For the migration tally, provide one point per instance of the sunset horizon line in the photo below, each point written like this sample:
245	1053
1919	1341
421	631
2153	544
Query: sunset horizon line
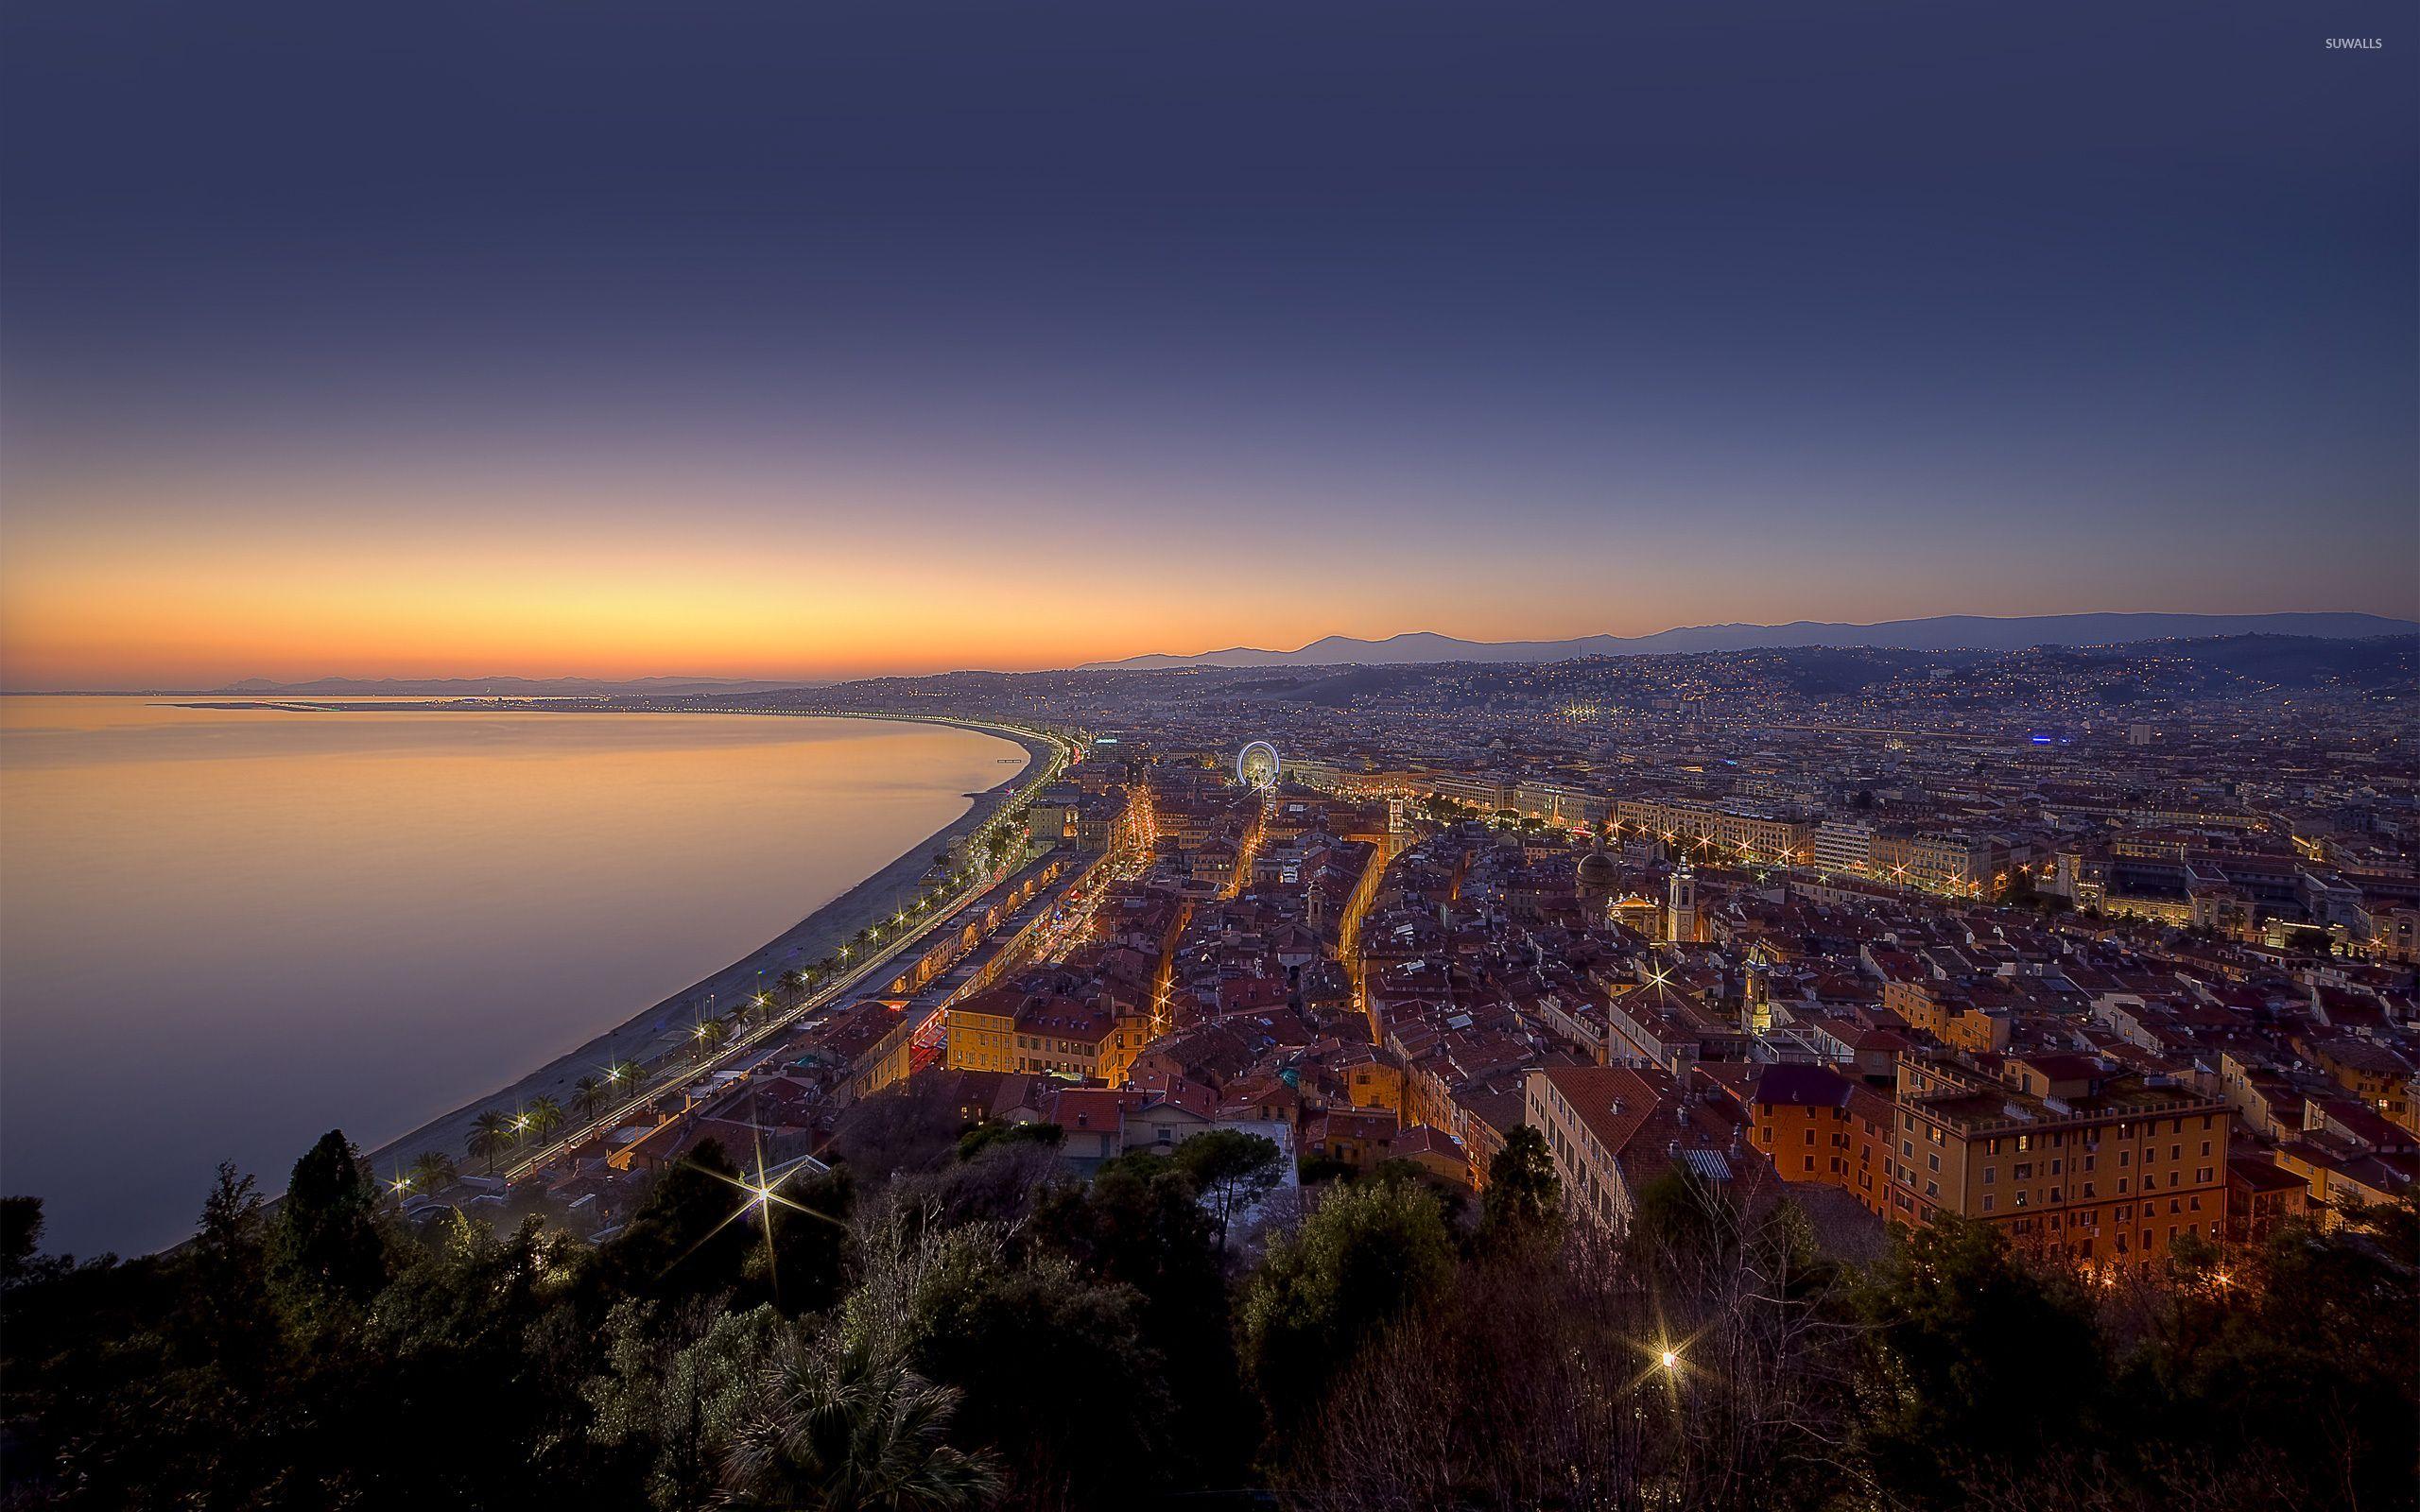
195	685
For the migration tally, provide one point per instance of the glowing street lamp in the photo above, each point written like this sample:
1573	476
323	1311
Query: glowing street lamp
1670	1358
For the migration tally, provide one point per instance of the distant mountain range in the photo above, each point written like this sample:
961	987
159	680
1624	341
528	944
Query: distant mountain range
1941	632
497	687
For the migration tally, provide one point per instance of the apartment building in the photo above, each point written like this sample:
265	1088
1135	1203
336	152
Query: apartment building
1731	832
2064	1153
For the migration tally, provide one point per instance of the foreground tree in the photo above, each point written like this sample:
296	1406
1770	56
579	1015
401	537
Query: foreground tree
1980	1363
1367	1255
1524	1199
686	1238
330	1250
1233	1171
830	1433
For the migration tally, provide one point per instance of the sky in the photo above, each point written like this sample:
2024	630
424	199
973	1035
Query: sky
787	338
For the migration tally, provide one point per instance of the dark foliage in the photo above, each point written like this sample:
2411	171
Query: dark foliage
988	1333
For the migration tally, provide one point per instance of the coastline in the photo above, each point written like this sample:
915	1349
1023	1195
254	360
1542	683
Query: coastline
813	937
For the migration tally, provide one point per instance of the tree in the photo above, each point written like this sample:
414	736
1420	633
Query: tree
1524	1197
432	1171
1367	1254
228	1261
1233	1170
832	1432
993	1131
545	1116
682	1240
330	1249
1053	1366
21	1224
491	1136
676	1383
587	1097
1980	1358
2292	1357
1140	1223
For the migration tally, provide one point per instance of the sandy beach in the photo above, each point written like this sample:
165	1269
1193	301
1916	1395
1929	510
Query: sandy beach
656	1027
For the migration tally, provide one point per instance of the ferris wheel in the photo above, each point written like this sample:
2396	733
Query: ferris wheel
1256	766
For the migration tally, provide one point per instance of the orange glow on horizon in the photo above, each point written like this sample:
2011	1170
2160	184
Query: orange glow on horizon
185	574
138	581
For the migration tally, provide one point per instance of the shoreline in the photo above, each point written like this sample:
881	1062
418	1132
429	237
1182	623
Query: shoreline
808	939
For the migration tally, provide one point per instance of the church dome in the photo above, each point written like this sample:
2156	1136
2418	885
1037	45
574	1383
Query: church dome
1596	870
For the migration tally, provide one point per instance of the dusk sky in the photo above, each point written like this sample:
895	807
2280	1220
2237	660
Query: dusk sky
822	338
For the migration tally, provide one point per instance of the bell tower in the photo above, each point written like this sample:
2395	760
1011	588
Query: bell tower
1681	911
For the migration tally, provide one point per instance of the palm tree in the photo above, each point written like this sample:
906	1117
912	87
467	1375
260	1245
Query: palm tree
491	1136
828	1430
587	1095
545	1115
622	1076
432	1171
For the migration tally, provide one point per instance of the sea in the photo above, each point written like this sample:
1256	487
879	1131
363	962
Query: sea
225	931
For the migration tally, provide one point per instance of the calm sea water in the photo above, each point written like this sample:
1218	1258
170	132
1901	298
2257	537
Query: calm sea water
223	933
